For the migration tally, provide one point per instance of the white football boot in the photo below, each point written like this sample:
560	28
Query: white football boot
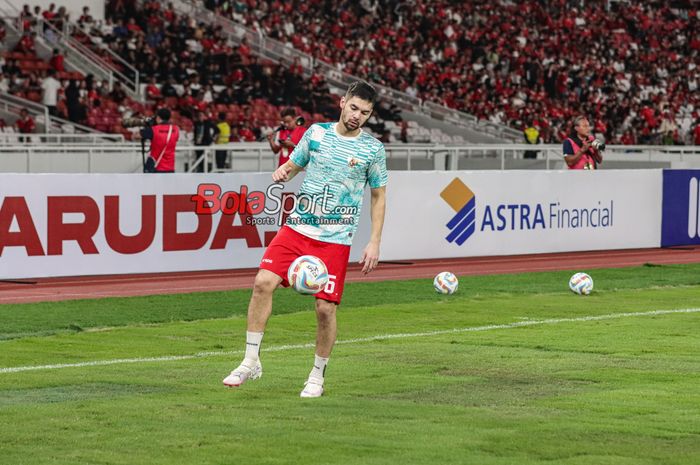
313	387
243	373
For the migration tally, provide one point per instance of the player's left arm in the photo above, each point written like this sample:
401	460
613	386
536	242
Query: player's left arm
286	172
370	256
377	178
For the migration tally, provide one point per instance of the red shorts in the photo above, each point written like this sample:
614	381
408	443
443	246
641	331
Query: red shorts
288	245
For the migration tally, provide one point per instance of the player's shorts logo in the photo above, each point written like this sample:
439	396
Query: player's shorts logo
463	201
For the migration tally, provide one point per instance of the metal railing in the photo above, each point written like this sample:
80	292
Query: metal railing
457	117
257	157
130	78
60	138
81	58
14	104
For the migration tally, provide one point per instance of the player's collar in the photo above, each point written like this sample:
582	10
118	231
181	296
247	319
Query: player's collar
335	130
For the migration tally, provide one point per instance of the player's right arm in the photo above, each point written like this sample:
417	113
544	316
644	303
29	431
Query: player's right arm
286	172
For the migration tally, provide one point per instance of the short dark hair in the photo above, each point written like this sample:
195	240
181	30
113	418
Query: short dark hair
164	114
289	111
363	90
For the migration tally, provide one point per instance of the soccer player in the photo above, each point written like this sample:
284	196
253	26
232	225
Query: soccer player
340	160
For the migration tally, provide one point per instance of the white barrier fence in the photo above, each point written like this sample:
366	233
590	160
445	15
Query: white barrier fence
256	157
80	224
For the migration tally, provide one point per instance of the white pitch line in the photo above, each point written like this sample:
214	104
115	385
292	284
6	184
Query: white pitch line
380	337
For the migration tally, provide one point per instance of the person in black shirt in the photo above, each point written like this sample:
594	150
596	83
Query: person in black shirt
204	131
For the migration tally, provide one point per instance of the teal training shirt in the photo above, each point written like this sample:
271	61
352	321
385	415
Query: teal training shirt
337	170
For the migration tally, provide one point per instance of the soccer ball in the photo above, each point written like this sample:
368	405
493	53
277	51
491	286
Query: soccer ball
581	284
307	274
445	283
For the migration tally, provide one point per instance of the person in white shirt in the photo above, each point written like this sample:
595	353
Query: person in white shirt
50	86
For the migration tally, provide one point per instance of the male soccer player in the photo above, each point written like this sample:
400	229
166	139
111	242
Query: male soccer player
340	159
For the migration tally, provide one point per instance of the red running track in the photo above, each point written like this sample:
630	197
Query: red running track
94	287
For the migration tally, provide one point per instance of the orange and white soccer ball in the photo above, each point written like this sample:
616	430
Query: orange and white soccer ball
307	275
446	283
581	284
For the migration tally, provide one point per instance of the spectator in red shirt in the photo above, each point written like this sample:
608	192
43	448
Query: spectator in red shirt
245	133
85	18
25	124
56	61
132	27
49	14
26	17
287	136
152	90
27	43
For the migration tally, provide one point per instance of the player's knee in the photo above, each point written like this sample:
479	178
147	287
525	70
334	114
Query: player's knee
325	310
264	284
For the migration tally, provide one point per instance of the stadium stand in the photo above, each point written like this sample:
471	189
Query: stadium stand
208	74
503	62
632	65
250	103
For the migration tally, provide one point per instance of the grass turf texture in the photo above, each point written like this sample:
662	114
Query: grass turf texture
614	391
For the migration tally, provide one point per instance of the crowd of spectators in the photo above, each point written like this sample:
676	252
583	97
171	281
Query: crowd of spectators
188	66
631	66
197	64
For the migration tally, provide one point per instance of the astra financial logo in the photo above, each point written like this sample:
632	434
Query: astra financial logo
463	201
569	213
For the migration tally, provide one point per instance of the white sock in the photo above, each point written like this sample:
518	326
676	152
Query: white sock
253	341
319	369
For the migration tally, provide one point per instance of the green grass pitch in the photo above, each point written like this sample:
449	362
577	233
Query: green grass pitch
533	374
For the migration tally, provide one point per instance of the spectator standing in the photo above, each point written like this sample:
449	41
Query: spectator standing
50	87
205	131
532	137
223	137
287	136
579	152
72	93
163	136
